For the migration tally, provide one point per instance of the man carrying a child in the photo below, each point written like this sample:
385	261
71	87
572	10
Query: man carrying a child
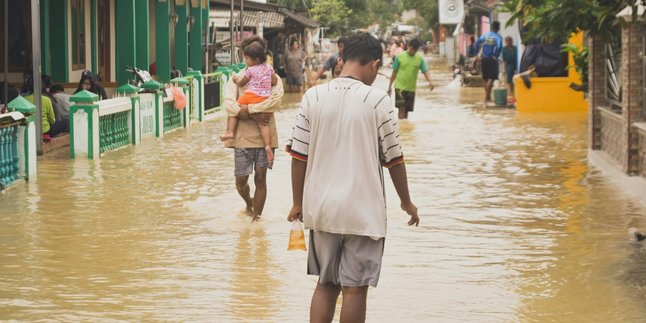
249	148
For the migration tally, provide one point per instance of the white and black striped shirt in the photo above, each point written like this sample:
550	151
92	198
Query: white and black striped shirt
345	131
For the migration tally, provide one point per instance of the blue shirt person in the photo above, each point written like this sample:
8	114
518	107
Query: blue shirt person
490	45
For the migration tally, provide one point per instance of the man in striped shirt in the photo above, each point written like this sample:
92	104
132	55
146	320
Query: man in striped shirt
345	132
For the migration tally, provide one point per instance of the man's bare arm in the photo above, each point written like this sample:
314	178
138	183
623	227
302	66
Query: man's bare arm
298	183
393	76
427	75
400	181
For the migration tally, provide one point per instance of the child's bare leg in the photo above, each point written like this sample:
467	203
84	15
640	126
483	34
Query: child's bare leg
266	138
232	125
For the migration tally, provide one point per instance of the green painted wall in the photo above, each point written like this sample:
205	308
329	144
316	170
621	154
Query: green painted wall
126	49
59	40
142	29
181	39
44	38
195	49
162	40
94	36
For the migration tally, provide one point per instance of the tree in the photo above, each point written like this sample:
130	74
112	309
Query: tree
364	12
555	20
427	15
331	13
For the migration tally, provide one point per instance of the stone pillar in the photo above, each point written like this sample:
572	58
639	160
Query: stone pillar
632	100
198	95
61	49
195	22
84	125
126	46
26	138
597	88
94	37
142	34
129	90
181	37
162	39
45	58
156	87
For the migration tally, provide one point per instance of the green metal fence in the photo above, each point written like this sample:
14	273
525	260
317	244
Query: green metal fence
172	117
8	154
113	131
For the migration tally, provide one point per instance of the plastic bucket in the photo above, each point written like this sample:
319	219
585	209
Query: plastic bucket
500	96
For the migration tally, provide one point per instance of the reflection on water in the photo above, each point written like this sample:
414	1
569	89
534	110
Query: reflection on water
515	227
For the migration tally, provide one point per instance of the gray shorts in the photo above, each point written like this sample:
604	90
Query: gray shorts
247	159
295	80
345	259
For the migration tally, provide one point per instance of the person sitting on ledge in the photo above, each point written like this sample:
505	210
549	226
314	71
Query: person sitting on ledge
51	127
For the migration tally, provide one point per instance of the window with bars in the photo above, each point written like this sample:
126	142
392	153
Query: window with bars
613	71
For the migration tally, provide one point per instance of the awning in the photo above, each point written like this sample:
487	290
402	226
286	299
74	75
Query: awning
220	18
481	7
627	13
305	21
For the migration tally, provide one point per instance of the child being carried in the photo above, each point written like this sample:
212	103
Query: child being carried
259	77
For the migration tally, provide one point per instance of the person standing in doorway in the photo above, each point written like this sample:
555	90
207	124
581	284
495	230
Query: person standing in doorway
344	135
405	69
490	45
509	57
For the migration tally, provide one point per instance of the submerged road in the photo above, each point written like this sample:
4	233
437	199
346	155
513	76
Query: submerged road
515	226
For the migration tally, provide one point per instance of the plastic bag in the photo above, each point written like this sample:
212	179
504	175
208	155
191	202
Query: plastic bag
179	99
296	236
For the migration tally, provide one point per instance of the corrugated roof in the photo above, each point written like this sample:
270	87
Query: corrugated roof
271	20
305	21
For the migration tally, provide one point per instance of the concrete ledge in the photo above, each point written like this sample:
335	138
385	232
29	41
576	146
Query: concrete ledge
60	141
641	127
607	112
633	185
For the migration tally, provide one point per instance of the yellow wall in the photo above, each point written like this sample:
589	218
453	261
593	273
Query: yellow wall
552	94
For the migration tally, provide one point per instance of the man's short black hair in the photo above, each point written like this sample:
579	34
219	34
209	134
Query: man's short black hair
362	48
256	51
341	41
495	26
56	88
415	43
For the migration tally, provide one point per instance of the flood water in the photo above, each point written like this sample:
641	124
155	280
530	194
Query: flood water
515	226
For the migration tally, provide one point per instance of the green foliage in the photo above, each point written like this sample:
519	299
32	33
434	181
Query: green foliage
363	12
427	15
293	4
331	13
580	57
555	20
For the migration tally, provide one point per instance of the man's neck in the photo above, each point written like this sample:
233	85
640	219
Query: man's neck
352	70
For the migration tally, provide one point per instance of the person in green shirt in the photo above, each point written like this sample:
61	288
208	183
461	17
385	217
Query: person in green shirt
51	127
509	56
406	66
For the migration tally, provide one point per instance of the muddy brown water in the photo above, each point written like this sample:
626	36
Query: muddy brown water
515	226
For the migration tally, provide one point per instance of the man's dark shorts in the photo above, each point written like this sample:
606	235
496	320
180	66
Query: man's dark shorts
295	80
247	159
405	99
490	68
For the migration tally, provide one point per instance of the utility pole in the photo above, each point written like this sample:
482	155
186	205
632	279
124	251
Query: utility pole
36	78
